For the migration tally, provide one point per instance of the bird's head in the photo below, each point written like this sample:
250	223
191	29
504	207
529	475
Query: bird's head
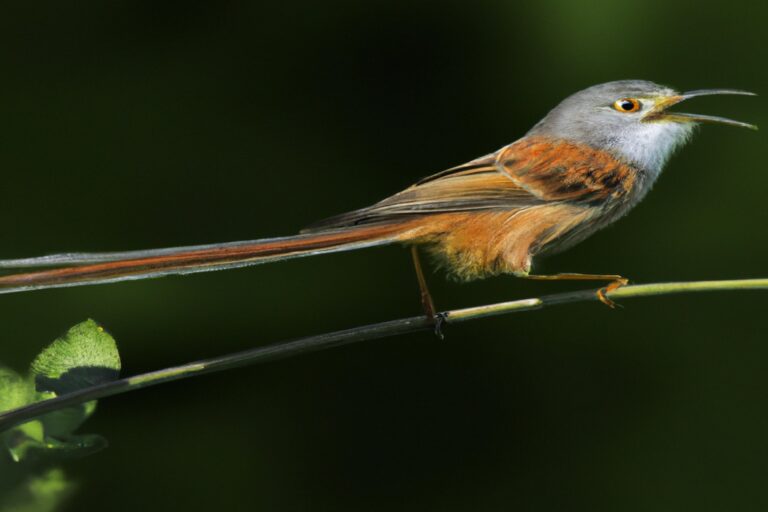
631	119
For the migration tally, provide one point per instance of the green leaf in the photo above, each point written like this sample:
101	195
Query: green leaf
85	346
84	356
15	391
32	451
24	438
38	493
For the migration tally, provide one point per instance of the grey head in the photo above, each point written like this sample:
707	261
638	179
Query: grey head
630	119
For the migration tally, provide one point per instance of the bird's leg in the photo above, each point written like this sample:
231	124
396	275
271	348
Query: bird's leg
427	303
614	282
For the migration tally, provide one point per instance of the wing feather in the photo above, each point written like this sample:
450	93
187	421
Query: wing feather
529	172
567	171
476	185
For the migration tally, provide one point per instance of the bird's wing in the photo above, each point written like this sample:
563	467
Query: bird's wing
566	171
476	185
526	173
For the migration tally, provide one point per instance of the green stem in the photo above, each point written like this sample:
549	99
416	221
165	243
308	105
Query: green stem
368	332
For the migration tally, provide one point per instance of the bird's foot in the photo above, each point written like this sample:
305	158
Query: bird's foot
615	285
615	281
439	320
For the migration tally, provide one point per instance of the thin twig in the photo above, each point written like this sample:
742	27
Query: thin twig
367	332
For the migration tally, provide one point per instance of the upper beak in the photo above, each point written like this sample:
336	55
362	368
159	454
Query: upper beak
660	109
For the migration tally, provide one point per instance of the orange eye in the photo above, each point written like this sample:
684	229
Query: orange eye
627	105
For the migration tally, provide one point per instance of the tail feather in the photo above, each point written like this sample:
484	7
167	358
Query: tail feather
95	268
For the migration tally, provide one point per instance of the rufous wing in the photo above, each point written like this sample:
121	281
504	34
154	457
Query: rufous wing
554	170
529	172
476	186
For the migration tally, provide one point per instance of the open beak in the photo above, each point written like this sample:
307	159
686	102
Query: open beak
660	112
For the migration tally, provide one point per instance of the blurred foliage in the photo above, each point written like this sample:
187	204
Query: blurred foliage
141	124
29	477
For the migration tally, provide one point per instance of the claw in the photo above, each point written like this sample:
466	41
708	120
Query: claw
439	319
615	285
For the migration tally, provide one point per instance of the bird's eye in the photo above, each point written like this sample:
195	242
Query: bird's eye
627	105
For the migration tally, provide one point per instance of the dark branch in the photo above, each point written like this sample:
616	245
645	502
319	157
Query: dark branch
336	339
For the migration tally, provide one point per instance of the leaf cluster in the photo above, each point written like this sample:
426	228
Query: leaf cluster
30	453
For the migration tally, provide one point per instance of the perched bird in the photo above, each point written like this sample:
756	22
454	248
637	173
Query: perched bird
584	165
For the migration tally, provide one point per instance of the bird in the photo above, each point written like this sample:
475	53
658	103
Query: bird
583	166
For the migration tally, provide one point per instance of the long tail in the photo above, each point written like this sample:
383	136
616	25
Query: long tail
87	268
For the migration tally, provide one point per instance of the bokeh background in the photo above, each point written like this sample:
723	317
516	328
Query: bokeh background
141	124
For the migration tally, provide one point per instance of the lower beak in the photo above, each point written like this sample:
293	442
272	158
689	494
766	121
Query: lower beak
660	110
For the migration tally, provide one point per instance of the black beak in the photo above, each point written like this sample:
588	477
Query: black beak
662	106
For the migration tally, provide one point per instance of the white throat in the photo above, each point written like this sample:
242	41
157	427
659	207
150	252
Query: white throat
650	145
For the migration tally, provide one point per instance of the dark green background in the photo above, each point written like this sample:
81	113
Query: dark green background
130	125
